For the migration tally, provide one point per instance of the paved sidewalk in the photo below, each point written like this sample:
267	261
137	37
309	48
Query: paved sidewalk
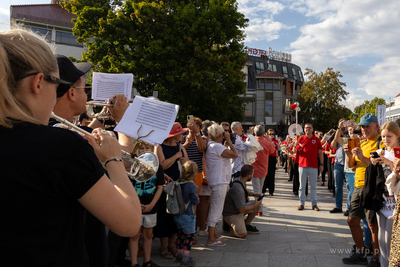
288	237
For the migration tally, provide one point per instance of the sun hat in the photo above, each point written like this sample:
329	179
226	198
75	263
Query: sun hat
177	130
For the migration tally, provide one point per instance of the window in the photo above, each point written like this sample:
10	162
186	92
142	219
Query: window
294	74
259	67
287	105
276	85
272	67
248	111
42	32
269	96
284	70
67	39
301	76
268	85
261	84
288	120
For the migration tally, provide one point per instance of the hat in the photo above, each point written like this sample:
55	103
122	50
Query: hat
177	130
367	119
70	72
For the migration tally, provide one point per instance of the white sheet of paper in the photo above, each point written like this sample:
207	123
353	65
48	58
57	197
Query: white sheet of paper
107	85
151	114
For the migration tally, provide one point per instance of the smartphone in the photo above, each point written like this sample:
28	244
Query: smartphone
374	155
261	197
353	143
233	138
397	152
189	118
347	123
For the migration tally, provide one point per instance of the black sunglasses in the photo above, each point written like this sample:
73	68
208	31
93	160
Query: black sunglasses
62	85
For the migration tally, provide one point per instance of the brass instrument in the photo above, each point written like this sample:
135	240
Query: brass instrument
102	115
142	169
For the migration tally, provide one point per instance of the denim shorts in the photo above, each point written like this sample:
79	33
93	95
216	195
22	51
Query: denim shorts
186	223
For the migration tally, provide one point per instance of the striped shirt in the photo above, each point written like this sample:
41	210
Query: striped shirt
195	156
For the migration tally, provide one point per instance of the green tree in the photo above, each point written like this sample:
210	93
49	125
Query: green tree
190	51
367	107
320	99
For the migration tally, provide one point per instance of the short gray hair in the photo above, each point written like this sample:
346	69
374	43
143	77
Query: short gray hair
259	130
234	125
215	131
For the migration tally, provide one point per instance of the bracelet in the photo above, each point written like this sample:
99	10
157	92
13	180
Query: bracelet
111	159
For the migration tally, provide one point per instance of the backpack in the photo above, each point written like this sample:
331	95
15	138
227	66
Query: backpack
175	202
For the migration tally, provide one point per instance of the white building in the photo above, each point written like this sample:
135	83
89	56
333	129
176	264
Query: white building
51	21
393	113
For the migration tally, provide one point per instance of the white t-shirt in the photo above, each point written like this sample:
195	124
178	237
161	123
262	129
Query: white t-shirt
218	167
390	204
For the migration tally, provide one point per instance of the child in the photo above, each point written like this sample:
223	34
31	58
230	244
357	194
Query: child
390	133
186	221
149	192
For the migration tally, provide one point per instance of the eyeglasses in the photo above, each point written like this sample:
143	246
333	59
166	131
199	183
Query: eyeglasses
88	89
61	83
226	130
271	134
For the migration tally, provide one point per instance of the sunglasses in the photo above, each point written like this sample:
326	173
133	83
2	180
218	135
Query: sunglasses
271	134
61	83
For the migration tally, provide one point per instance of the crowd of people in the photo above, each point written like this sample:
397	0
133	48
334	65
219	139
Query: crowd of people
71	186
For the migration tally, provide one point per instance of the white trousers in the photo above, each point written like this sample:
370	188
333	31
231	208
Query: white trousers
218	193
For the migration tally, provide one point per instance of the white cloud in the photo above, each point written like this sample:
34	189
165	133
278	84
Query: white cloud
262	25
4	19
353	100
382	80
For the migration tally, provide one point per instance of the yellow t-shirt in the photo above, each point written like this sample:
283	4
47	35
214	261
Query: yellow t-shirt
366	147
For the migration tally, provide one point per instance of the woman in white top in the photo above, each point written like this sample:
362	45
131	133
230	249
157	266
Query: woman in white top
390	132
218	167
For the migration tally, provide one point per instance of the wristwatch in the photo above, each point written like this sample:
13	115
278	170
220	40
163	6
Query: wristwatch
197	134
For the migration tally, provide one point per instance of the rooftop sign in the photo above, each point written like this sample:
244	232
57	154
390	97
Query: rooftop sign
271	54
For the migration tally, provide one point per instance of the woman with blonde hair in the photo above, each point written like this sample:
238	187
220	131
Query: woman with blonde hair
51	175
218	167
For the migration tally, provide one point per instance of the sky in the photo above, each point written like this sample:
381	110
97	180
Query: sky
359	38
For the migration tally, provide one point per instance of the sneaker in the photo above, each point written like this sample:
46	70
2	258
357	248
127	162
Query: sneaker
374	263
355	259
323	184
259	213
189	263
346	213
202	232
252	229
335	210
368	251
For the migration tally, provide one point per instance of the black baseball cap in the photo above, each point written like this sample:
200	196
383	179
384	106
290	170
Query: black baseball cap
70	72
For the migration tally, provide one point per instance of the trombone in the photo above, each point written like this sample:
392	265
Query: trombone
102	115
142	169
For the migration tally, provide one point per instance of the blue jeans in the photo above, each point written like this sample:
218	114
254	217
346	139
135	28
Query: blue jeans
338	172
350	176
367	234
312	174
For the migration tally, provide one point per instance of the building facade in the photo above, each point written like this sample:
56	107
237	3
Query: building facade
50	21
273	83
393	112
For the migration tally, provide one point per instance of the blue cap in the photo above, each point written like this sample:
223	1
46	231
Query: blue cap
367	119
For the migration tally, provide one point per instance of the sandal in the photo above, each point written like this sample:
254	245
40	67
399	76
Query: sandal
165	253
173	251
150	264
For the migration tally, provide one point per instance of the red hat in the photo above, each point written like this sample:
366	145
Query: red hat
177	130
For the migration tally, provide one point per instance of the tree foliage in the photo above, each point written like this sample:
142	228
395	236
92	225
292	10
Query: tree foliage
367	107
320	99
190	51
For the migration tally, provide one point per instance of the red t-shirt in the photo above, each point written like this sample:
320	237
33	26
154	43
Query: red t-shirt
308	150
275	153
283	144
261	164
333	152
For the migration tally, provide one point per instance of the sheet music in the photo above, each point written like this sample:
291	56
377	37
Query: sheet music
107	85
151	114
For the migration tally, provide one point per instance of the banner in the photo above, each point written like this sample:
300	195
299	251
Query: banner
381	114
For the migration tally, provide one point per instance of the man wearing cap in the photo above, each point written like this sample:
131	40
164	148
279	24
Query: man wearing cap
359	158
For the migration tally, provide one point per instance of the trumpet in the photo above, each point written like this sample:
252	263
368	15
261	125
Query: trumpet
102	115
142	169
